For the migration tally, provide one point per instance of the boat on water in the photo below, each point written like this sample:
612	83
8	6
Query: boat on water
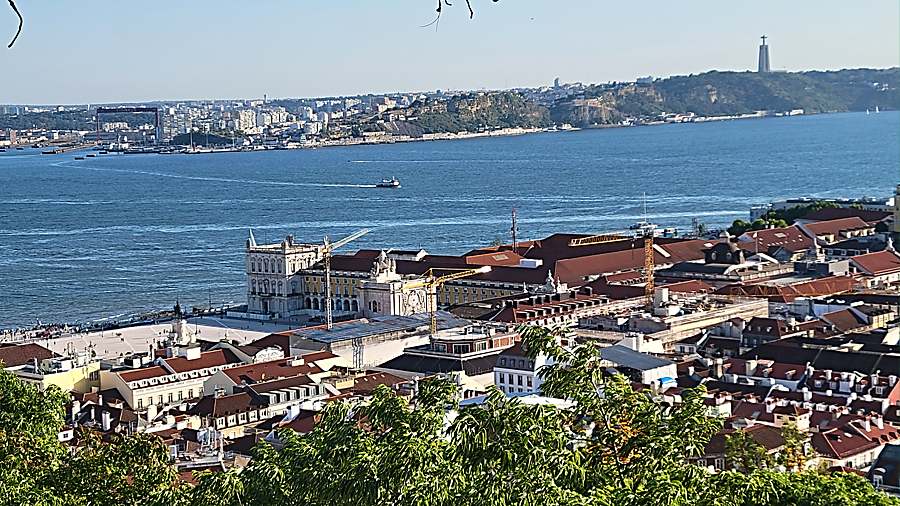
79	158
104	152
388	183
91	155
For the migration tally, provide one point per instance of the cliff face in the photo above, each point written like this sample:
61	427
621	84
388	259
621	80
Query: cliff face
474	112
726	93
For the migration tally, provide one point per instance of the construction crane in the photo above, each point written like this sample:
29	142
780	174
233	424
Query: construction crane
649	265
328	248
431	283
598	239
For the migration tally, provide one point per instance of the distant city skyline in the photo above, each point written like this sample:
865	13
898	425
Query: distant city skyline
122	52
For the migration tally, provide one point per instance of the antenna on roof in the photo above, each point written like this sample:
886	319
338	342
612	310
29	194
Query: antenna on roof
515	230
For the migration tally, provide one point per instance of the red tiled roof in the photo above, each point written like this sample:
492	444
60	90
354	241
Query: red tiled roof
207	359
791	238
835	227
847	212
265	371
878	263
145	373
365	385
225	405
844	320
507	258
837	444
787	293
17	355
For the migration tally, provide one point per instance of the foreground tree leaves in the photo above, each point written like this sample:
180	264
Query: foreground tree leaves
605	444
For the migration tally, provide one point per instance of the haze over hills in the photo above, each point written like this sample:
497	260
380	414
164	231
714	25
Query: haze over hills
713	93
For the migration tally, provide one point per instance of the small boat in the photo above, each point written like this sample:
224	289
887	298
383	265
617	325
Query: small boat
388	183
90	155
104	152
79	158
20	149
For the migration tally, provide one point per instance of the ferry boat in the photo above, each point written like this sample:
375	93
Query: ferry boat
388	183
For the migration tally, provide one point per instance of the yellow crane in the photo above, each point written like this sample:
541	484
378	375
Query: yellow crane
431	283
327	249
649	266
598	239
649	259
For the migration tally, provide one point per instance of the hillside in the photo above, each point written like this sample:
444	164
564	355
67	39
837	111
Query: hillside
480	111
726	93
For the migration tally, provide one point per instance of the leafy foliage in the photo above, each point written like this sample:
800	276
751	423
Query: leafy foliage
604	444
743	453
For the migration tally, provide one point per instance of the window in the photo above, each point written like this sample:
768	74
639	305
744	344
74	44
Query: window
519	380
500	377
170	397
140	403
502	361
190	393
459	349
528	380
180	395
159	400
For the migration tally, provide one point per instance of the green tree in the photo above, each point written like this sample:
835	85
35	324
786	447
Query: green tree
603	443
738	227
743	453
796	452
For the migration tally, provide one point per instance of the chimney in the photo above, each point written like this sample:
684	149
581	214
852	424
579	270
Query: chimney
867	424
100	399
76	408
750	366
690	370
770	406
105	420
807	395
719	368
879	421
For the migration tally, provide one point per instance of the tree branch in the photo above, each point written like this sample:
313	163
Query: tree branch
15	9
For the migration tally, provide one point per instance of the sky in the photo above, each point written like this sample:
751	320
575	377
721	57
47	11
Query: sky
91	51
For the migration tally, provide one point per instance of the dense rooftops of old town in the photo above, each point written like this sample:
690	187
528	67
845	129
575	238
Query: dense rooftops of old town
781	326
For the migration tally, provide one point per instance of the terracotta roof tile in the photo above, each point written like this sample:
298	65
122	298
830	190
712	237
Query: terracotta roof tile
17	355
878	263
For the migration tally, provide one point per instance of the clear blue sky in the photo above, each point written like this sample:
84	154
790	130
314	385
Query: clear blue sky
124	50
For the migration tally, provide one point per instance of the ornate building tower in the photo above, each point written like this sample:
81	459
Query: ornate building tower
272	288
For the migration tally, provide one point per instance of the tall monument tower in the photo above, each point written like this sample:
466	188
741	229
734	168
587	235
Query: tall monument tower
763	56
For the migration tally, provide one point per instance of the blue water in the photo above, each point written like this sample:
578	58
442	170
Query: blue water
103	236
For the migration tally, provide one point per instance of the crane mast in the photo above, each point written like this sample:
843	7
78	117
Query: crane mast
431	283
327	249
